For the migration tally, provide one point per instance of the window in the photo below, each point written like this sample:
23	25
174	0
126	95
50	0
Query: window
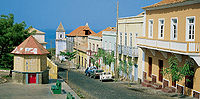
125	39
161	29
60	35
190	28
97	47
174	27
93	47
120	38
150	28
90	46
131	39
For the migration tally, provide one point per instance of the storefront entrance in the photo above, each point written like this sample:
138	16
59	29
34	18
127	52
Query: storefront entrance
31	78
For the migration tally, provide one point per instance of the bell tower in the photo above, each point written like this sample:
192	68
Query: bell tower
60	41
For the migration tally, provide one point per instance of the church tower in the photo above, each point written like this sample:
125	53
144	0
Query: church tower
60	41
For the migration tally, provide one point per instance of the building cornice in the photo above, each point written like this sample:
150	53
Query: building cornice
173	5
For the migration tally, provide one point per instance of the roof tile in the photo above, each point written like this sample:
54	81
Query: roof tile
30	46
165	2
80	31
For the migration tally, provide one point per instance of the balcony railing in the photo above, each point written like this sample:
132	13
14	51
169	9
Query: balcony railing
127	50
120	49
91	53
177	46
124	50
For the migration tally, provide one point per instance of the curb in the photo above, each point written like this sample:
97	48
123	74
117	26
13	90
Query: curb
68	88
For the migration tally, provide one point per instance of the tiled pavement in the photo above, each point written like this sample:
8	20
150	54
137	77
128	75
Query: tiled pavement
33	91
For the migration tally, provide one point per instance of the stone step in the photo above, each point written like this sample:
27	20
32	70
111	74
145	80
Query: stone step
156	86
146	84
169	90
147	81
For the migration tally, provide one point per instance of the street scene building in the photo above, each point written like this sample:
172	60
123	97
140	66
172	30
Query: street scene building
154	54
172	31
129	29
30	62
60	41
80	37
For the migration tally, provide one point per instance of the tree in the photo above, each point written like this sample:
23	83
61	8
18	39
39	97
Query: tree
69	56
11	35
130	69
52	52
177	73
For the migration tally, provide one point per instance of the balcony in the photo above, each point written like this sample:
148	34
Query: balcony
187	48
91	53
132	51
124	50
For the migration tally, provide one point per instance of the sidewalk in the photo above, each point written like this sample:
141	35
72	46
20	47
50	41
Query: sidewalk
138	87
66	87
33	91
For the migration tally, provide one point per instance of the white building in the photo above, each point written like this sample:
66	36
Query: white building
39	36
109	40
60	41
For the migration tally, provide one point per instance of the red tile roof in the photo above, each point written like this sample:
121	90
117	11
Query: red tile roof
80	31
165	2
30	46
107	29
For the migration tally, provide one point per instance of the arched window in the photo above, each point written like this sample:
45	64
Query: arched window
60	35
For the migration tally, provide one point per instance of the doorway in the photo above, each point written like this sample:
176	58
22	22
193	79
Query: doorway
160	70
31	78
135	72
150	66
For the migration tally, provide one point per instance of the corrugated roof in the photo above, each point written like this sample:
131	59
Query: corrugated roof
60	28
165	2
80	31
30	46
37	31
107	29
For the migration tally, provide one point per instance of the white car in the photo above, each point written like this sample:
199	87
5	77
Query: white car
106	76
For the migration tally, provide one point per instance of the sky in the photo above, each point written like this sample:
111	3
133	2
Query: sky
46	15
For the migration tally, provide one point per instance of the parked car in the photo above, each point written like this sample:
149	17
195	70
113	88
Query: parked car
89	70
106	76
96	73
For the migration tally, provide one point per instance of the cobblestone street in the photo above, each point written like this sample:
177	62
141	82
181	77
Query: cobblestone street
93	88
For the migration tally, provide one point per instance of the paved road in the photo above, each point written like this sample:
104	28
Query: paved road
105	90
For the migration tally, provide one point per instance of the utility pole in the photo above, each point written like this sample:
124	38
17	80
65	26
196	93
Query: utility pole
116	53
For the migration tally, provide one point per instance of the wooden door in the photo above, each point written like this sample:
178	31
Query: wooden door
160	70
31	78
150	66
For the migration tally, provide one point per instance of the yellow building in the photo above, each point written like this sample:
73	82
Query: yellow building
172	30
129	29
80	38
30	62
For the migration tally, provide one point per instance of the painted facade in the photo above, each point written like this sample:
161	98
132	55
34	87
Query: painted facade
129	29
109	45
30	62
60	42
172	31
79	42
